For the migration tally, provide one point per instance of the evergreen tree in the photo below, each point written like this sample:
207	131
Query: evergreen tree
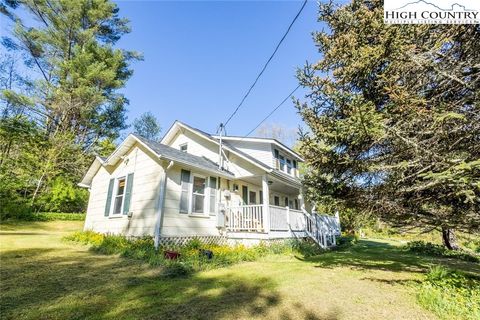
147	126
74	100
394	119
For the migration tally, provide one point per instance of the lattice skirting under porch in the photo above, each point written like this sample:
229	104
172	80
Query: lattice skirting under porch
180	241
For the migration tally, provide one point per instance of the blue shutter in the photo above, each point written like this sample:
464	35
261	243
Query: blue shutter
128	194
185	182
109	197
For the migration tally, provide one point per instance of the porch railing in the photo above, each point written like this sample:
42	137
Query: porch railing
249	218
245	218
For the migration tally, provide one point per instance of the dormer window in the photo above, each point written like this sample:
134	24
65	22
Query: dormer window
184	147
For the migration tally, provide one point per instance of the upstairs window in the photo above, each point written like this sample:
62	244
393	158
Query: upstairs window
184	147
282	163
289	166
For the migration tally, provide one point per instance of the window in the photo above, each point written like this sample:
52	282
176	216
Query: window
276	153
198	195
252	197
289	166
119	195
184	147
296	204
286	202
213	195
290	204
282	163
276	201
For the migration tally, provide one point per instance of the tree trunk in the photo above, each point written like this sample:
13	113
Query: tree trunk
449	239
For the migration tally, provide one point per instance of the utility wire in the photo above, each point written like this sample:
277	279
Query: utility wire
272	112
266	64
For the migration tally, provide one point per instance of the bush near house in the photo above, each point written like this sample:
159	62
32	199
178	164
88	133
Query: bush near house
191	258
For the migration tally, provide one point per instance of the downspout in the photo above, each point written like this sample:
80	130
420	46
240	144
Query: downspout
161	202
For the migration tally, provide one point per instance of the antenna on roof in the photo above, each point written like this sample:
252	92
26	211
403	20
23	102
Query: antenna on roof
220	130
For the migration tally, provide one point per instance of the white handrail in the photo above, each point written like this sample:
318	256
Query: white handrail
245	218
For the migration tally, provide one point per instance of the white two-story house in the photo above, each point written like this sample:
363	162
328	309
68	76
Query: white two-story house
193	184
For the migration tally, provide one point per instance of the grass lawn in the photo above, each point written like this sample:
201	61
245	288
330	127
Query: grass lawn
43	277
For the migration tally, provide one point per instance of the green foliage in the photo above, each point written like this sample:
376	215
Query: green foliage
391	115
64	196
426	248
190	260
52	125
44	216
450	294
147	126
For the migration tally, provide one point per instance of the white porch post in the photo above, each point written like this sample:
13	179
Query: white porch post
266	204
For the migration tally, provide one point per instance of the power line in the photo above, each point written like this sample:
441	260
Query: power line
266	64
272	112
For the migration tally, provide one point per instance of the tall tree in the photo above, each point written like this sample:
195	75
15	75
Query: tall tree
75	99
394	119
147	126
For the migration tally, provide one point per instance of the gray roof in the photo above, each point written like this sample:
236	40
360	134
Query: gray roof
182	157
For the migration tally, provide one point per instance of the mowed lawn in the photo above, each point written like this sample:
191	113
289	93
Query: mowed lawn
43	277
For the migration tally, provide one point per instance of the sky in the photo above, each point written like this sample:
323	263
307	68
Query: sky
201	57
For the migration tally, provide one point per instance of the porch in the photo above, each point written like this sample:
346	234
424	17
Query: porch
275	222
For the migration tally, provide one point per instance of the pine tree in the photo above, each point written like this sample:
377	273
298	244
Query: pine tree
393	115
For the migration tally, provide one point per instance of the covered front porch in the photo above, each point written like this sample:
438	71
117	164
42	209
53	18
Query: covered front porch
279	213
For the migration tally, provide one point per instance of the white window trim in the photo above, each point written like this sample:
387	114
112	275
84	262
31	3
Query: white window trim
190	193
114	196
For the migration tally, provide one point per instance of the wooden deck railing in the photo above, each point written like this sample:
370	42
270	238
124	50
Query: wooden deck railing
245	218
249	218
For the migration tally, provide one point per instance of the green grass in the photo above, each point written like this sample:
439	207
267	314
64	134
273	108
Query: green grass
43	277
47	216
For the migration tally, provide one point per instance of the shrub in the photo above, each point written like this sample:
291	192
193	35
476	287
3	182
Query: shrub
450	294
431	249
191	259
307	248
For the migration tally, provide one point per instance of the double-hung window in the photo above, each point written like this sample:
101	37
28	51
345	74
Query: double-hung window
119	196
289	166
198	195
282	163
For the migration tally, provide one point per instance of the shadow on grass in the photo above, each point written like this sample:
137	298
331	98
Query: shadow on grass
377	255
68	284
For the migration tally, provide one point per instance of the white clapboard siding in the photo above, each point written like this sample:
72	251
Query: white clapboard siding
259	150
147	173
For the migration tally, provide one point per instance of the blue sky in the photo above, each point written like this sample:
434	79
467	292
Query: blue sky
200	58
